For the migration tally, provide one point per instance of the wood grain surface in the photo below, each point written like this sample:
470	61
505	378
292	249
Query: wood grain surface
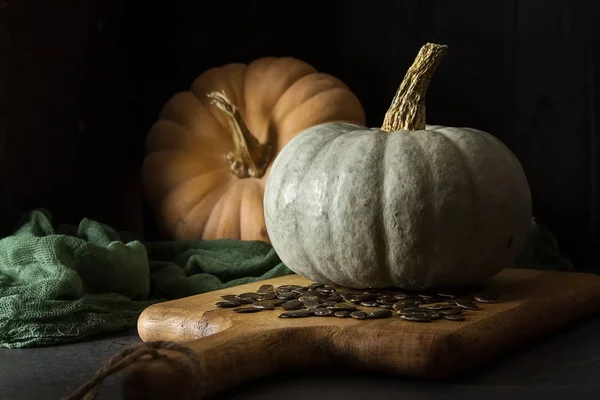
236	348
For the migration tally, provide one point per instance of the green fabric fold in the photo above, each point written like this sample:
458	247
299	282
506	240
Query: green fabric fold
65	283
62	284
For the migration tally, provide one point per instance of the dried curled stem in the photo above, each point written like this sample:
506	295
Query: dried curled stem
249	158
407	111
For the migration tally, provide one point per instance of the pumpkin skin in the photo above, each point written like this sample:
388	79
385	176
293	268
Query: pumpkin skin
370	208
187	175
358	207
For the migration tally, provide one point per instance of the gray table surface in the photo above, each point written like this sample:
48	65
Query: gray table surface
565	365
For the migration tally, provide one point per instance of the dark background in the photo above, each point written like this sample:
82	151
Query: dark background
82	81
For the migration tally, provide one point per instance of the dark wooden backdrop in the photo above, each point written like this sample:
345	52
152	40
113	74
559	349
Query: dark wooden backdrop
87	78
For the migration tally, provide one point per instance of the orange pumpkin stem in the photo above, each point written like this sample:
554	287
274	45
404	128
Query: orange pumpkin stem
249	158
407	111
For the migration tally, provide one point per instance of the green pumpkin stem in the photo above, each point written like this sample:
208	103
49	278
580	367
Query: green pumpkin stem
407	111
249	158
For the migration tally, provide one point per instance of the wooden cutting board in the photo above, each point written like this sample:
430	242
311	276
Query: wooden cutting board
236	348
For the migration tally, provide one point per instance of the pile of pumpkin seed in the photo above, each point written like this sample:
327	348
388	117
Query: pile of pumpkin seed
321	300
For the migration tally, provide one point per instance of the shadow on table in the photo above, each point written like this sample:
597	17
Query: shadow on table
565	364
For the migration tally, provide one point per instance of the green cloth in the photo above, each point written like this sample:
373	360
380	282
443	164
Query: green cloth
62	284
541	251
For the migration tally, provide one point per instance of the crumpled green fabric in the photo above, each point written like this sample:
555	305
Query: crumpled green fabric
541	251
62	284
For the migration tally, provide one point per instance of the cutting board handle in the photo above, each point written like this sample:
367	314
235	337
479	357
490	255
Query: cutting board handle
221	361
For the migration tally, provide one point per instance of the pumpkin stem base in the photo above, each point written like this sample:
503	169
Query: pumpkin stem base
407	111
249	158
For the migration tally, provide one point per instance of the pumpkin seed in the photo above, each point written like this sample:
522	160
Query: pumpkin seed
353	293
227	304
287	295
316	285
380	314
412	310
246	310
325	291
296	314
292	305
484	298
370	296
317	299
428	296
358	298
248	296
323	312
353	298
264	305
288	288
454	317
276	302
342	314
405	304
437	306
359	315
310	303
343	307
265	289
417	317
448	294
309	296
453	311
469	305
244	301
386	300
369	304
434	315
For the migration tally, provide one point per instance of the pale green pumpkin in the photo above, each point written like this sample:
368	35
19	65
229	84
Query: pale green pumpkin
405	205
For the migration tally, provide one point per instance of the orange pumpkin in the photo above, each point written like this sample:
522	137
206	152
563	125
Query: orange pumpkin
210	152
